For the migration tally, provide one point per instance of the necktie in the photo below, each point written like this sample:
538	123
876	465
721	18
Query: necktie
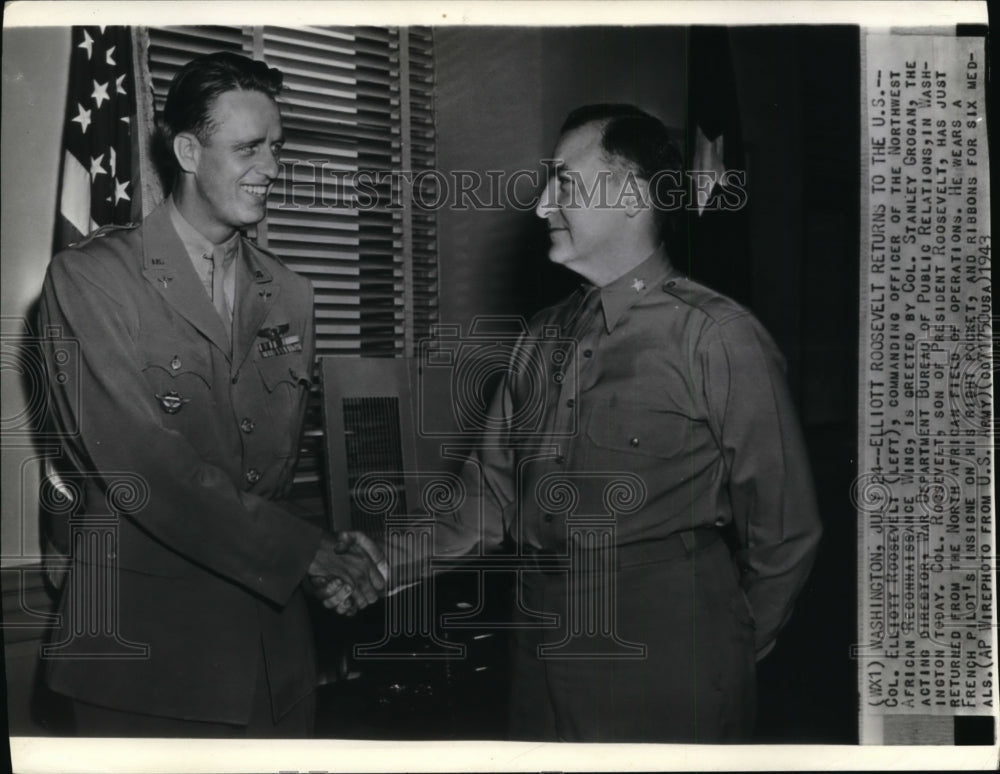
580	323
218	291
578	329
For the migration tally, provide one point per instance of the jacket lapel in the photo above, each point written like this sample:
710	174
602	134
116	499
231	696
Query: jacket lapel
167	267
256	292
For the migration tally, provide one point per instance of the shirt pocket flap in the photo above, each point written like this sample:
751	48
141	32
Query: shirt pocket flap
643	430
177	361
290	370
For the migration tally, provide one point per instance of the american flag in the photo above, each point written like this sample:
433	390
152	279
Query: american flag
97	186
718	236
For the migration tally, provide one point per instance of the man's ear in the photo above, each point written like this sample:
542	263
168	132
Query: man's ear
187	149
635	195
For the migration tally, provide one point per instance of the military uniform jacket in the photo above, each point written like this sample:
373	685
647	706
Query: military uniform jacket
208	561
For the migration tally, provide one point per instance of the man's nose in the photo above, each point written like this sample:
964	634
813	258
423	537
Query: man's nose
270	165
547	202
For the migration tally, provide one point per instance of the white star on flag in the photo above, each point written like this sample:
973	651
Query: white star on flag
708	155
83	118
100	94
87	45
96	168
98	175
120	191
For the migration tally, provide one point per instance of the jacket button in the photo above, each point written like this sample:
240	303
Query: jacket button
560	460
570	403
247	425
588	353
633	441
548	518
252	476
175	364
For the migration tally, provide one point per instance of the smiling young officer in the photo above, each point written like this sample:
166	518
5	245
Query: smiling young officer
196	351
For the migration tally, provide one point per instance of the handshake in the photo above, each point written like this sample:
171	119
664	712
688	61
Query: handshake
349	572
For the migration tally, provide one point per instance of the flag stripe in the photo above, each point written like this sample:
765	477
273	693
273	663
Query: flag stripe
74	203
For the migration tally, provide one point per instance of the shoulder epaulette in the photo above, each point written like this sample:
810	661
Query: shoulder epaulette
102	232
715	305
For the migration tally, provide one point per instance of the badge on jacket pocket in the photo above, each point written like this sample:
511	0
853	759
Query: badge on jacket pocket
276	342
172	402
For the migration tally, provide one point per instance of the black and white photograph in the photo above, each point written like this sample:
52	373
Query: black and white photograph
511	385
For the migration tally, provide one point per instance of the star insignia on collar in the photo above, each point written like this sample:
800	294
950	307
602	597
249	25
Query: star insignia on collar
638	285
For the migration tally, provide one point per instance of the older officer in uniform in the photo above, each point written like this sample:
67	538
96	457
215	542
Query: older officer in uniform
196	354
679	393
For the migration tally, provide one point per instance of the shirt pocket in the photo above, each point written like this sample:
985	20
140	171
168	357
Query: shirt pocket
178	375
284	373
286	381
637	431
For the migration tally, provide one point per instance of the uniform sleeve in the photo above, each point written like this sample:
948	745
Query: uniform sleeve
770	485
487	477
194	509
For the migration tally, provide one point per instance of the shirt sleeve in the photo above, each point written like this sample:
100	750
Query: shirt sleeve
771	494
480	523
194	508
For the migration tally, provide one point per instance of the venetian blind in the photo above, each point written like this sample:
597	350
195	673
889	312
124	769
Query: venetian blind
357	109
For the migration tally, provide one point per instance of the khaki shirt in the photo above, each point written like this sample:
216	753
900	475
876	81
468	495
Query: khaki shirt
672	413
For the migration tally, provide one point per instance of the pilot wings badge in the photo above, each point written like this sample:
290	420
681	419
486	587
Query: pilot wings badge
276	342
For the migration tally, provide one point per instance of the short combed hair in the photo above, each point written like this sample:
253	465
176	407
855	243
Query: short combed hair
642	142
193	93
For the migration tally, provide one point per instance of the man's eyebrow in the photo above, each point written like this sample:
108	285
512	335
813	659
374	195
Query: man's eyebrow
257	141
248	141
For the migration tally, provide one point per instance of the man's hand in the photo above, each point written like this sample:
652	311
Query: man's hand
359	544
349	572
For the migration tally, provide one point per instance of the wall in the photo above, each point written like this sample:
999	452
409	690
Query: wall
34	93
489	116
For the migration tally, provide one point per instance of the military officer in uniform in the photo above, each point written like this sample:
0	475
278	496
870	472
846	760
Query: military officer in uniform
195	361
677	394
